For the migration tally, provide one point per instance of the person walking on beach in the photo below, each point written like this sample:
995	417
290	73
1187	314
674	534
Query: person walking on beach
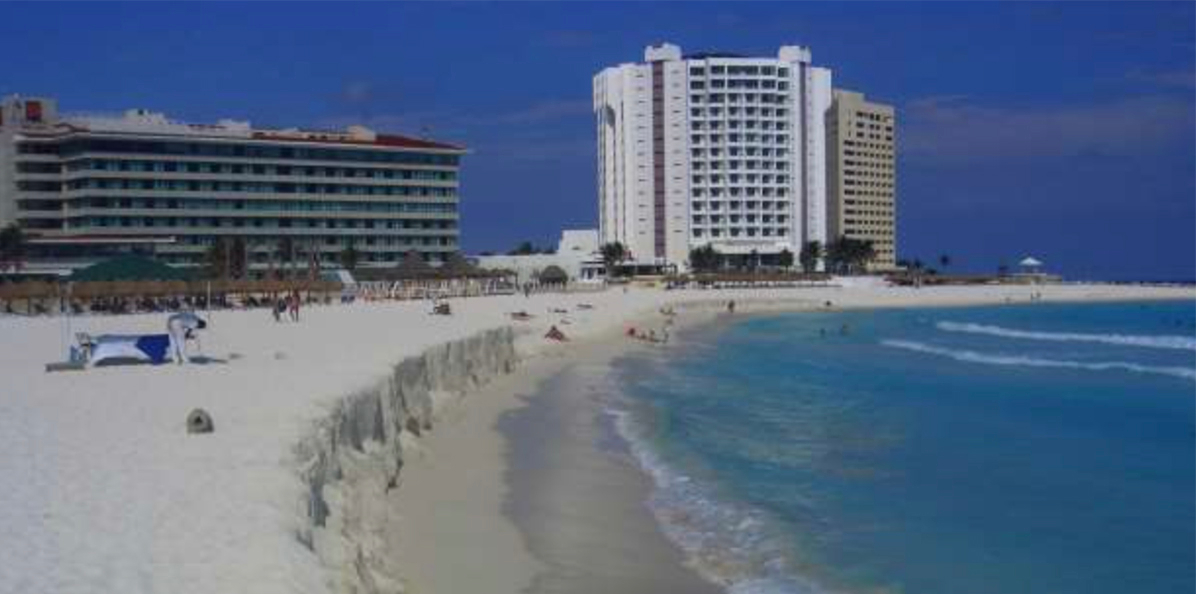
293	306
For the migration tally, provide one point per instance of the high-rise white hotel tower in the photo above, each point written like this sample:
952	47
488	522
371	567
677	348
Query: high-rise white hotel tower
712	149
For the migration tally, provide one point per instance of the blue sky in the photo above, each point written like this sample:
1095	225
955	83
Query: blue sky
1065	130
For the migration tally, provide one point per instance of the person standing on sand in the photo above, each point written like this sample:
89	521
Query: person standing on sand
294	306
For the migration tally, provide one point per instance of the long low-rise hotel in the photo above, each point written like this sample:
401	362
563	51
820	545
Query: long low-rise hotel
88	187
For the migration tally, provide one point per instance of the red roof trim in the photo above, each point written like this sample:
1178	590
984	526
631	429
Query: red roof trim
385	140
389	140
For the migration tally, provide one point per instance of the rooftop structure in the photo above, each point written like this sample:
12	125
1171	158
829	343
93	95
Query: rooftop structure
577	254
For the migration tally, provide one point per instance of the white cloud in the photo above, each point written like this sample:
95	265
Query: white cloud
357	93
951	129
508	128
1182	79
570	38
545	111
538	149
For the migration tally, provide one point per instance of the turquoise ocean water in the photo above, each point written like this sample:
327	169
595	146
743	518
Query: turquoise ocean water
1020	449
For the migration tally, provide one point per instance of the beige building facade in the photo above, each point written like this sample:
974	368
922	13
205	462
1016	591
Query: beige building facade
862	174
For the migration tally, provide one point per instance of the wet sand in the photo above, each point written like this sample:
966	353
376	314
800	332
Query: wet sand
578	497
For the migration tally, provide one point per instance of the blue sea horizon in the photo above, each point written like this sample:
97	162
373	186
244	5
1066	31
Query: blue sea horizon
1016	449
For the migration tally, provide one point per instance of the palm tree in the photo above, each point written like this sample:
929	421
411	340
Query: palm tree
523	249
785	259
865	253
613	254
835	255
286	249
349	257
848	255
239	258
811	252
703	258
216	259
311	253
915	269
12	246
944	261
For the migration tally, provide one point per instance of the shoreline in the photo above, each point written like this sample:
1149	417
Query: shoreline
696	548
550	563
539	521
551	546
576	491
273	385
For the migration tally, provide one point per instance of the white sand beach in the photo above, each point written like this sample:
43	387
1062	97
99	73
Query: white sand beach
105	491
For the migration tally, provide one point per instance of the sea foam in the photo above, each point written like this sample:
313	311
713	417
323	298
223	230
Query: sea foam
724	542
1020	360
1147	341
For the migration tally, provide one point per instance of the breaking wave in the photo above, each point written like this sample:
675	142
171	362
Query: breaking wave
1148	341
1019	360
729	544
